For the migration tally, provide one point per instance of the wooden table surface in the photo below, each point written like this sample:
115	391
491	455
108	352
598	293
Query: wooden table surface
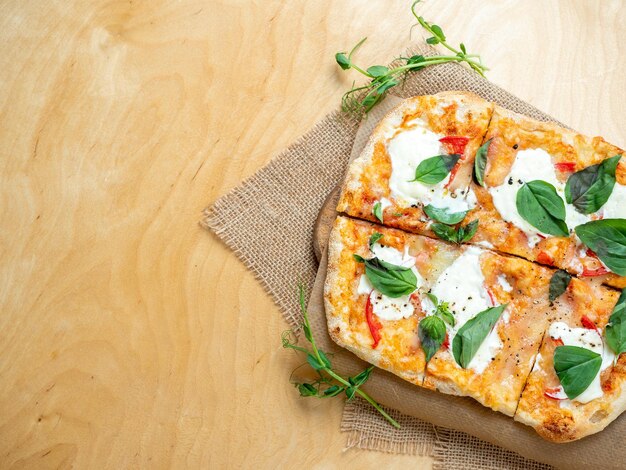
131	337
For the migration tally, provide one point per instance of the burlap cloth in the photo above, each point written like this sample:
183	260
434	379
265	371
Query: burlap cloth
278	207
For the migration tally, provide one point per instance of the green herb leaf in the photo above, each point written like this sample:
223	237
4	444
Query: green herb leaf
576	368
388	279
539	204
558	284
377	210
358	258
589	189
307	390
342	60
361	378
480	162
333	391
432	40
607	238
435	169
416	59
471	335
374	238
443	215
615	331
431	332
442	309
377	70
445	232
437	31
319	361
466	232
455	235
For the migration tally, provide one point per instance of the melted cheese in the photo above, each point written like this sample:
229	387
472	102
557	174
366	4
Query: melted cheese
407	149
506	287
588	339
388	308
615	207
462	286
530	165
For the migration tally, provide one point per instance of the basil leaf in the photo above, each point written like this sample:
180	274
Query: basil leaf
468	231
455	235
377	70
576	368
558	284
480	162
442	309
615	331
445	232
389	279
443	215
589	189
374	238
377	210
539	204
471	335
607	238
435	169
431	332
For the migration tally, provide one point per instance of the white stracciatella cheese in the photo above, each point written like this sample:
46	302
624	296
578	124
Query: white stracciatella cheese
615	207
530	165
407	149
462	286
388	308
588	339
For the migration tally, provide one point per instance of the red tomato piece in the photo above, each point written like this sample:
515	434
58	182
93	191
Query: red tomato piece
453	172
554	393
372	322
587	323
565	167
446	342
545	258
601	271
456	143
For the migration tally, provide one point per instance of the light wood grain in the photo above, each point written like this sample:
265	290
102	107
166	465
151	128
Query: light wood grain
129	336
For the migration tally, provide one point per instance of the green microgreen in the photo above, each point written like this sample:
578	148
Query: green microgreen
329	383
361	99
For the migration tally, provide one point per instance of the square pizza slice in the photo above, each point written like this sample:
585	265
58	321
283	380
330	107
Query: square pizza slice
419	159
372	302
552	195
576	385
501	308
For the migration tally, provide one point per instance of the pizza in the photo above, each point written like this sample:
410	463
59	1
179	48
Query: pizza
479	254
521	150
499	326
544	404
393	182
381	184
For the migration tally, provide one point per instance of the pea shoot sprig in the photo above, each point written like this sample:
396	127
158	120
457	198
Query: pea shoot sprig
329	383
362	99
